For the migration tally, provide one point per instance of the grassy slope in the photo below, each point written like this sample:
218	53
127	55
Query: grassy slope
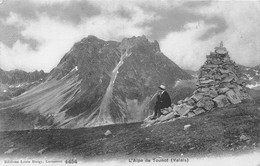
210	134
21	112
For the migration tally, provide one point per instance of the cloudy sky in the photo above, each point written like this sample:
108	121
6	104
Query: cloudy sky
35	34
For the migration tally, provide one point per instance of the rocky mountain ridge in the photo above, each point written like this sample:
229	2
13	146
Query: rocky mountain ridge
99	83
19	76
16	82
117	79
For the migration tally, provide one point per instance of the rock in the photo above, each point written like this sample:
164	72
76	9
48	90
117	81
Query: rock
244	138
108	132
203	85
221	101
149	123
223	90
206	103
206	81
191	102
221	49
223	76
186	100
241	82
174	110
245	96
187	126
42	150
166	111
198	111
226	59
180	102
197	96
200	104
241	93
216	61
203	90
190	114
169	116
228	79
183	109
148	118
217	77
212	93
211	66
11	150
233	97
224	71
231	85
238	88
202	79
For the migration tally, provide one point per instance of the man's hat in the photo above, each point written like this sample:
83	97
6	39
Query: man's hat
162	87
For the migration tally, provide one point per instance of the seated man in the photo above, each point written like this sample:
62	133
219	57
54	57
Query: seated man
163	101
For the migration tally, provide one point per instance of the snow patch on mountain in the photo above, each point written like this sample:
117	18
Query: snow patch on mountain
71	72
249	77
104	118
252	86
177	83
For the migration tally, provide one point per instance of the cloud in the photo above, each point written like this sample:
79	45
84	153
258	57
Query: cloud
11	20
43	31
47	29
114	5
51	2
184	48
56	37
241	36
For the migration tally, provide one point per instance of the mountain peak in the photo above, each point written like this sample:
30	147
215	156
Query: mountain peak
105	82
140	41
136	40
91	39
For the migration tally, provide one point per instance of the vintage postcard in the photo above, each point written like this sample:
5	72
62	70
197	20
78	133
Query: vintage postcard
129	82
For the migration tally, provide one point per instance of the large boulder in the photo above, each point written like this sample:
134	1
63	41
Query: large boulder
190	114
206	81
212	93
221	101
233	97
183	109
223	90
197	96
206	103
169	116
166	111
198	111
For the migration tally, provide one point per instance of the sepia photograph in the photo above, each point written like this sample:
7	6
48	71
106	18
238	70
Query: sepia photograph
130	82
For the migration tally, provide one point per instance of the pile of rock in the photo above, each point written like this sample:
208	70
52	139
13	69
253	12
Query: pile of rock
218	85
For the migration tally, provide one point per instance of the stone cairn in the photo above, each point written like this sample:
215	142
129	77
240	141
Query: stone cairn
219	84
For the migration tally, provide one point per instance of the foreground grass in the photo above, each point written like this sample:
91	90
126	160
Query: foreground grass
233	129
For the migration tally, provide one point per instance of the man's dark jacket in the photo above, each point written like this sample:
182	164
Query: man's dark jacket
163	101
